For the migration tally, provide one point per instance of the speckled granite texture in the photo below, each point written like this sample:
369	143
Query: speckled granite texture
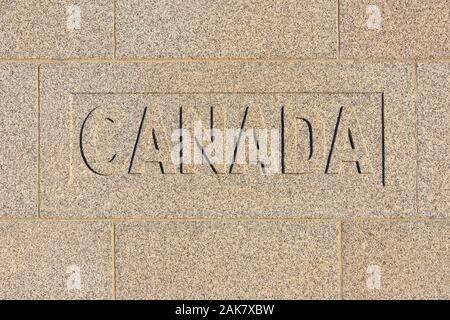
352	203
18	137
48	29
405	29
434	138
245	28
37	260
412	257
227	260
377	97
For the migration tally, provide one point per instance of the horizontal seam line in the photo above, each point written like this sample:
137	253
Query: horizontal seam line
174	60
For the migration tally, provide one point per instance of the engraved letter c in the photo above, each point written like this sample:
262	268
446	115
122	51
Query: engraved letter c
83	155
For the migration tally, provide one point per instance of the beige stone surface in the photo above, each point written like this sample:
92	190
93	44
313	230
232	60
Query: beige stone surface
245	28
352	202
39	260
121	92
18	139
396	260
50	29
227	260
433	104
407	29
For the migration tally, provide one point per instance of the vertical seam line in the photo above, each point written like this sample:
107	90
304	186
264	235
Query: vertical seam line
38	138
416	110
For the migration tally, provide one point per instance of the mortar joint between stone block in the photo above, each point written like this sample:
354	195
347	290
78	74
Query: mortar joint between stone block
416	110
216	60
38	139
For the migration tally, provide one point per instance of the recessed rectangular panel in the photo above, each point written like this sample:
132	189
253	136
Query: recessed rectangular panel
223	151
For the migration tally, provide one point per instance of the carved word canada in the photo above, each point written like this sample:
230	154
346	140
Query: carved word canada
295	142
